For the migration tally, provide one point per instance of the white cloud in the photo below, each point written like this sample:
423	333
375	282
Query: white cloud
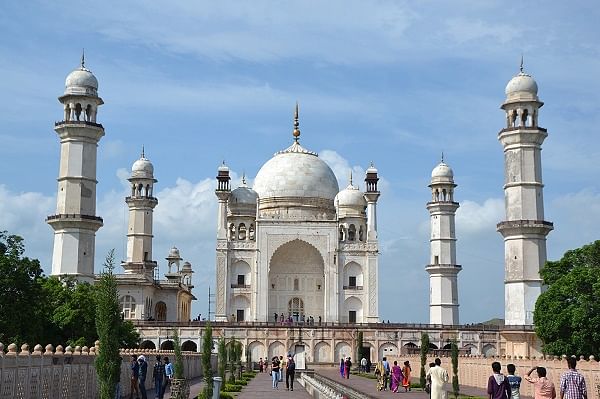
473	218
24	214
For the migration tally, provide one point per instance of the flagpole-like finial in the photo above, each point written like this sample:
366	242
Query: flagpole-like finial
244	178
83	58
296	132
143	152
350	176
442	156
521	67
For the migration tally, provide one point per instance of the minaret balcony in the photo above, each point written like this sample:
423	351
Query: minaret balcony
443	268
242	286
524	226
74	123
353	287
75	219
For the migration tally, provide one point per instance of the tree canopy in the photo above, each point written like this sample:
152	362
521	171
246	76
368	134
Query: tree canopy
36	309
567	314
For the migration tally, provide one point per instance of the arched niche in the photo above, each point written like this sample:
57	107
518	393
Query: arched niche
353	275
296	270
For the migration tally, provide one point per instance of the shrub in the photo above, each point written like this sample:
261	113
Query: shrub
232	388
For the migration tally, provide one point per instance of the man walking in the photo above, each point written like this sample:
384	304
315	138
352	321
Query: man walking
572	383
135	374
158	375
438	376
168	376
363	365
142	375
386	373
290	373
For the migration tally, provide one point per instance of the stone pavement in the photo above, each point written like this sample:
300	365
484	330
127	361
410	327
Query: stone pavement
369	387
260	387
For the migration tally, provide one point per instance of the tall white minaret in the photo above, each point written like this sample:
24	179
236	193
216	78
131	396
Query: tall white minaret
141	205
443	270
75	222
371	195
222	192
524	229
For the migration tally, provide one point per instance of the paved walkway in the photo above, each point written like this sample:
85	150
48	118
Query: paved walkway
260	387
369	386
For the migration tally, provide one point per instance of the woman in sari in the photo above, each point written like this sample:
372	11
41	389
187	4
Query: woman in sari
397	377
342	364
380	374
406	373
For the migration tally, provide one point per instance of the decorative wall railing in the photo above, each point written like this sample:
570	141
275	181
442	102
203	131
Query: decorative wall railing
69	373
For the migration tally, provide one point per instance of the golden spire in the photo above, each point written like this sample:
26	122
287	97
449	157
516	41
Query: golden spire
296	132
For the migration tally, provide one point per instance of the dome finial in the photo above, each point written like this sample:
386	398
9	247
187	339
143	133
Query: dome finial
143	152
83	58
244	178
350	176
521	67
296	132
442	156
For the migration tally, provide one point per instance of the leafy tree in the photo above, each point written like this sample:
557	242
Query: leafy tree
222	353
567	314
424	351
207	345
71	309
454	355
22	319
108	321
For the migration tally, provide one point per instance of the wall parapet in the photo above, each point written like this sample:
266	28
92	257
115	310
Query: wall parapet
48	372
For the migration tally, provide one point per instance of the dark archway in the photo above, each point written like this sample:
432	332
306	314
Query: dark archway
147	345
167	346
189	346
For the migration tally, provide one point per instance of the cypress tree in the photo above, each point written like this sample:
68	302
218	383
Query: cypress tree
207	345
424	351
108	324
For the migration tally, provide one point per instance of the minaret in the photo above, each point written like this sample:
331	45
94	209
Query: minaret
141	205
371	195
443	270
524	229
222	192
75	222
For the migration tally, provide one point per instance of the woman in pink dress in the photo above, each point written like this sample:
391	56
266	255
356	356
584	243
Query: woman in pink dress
397	377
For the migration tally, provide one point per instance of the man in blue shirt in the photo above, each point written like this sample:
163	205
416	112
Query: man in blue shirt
514	381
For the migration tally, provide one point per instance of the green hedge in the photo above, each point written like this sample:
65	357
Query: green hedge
232	388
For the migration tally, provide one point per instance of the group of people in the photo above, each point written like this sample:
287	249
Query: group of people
392	377
162	374
279	366
345	365
301	319
572	383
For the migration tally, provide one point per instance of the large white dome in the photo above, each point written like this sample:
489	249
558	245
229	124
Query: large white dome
296	172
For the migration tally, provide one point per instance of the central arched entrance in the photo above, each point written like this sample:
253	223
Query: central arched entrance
296	282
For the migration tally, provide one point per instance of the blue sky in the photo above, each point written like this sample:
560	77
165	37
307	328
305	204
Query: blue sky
393	82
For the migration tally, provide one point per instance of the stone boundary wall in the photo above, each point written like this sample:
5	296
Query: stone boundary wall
474	371
69	373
